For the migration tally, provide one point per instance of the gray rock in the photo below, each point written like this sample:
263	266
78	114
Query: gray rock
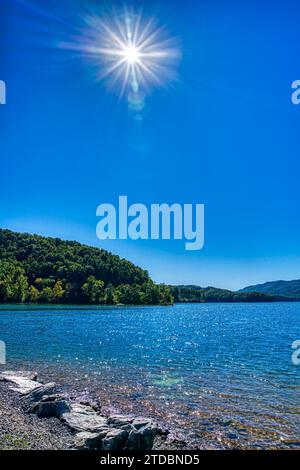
87	440
108	439
83	418
23	382
19	373
44	402
119	421
88	401
120	433
48	409
37	394
53	397
115	439
141	422
143	437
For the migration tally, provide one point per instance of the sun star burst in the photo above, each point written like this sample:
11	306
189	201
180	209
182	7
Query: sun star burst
128	52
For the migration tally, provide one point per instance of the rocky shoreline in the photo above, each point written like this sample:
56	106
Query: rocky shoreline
37	416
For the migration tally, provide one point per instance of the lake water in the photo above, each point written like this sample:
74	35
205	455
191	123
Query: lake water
220	375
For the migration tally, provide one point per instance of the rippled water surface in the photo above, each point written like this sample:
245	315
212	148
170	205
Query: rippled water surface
220	375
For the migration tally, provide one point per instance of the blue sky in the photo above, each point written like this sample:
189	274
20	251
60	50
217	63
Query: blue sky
226	135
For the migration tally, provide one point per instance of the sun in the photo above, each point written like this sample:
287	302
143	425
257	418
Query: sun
129	52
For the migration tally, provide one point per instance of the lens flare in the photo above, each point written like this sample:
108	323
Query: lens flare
128	52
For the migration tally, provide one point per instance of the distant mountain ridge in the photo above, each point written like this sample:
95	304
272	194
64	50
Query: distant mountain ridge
192	293
275	291
289	289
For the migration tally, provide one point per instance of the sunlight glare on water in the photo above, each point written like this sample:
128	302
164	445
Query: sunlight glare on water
221	374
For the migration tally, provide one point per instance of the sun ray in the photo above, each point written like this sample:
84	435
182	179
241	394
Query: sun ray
129	51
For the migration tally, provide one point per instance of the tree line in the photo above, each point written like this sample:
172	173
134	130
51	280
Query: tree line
38	269
213	294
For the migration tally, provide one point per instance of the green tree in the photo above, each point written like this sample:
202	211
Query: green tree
41	283
150	293
21	288
94	291
110	295
165	296
129	294
13	282
58	292
33	294
46	295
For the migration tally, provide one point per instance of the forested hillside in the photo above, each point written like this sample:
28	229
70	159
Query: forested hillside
284	288
45	270
213	294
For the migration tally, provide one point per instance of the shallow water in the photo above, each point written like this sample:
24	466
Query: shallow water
220	375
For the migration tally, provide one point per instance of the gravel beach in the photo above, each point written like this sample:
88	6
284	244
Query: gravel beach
19	430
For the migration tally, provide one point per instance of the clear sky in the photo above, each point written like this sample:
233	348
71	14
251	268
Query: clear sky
225	134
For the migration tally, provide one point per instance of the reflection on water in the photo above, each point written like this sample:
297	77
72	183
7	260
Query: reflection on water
219	374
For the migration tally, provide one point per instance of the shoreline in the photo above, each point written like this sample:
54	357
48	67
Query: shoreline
79	307
36	416
44	416
33	307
